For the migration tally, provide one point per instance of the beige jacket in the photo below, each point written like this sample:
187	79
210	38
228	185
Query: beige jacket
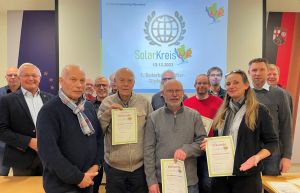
128	157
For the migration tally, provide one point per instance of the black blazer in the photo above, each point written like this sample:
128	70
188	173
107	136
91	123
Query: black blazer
17	129
251	142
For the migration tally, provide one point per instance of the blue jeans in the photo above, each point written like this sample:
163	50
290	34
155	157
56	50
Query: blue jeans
193	189
3	169
271	165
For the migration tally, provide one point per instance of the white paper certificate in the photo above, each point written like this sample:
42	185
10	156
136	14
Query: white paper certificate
220	156
207	122
173	176
284	187
295	181
124	126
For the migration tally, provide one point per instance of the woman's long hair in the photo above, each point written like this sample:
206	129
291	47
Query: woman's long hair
250	101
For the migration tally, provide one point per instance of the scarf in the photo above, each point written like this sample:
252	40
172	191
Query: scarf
234	117
85	124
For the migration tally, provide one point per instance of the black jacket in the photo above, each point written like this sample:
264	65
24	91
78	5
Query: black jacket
17	129
251	142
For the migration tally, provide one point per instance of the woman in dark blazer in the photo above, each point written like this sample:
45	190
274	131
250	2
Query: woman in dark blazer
250	125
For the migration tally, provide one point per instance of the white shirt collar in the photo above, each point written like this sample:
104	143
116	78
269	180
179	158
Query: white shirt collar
266	86
26	92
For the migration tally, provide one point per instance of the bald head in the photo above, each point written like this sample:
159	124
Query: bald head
72	81
70	67
124	82
30	66
165	76
30	77
123	71
12	79
12	69
172	82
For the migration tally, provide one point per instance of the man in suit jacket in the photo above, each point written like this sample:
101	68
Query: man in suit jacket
13	84
18	114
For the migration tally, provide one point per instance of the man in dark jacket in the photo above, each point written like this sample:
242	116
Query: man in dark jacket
18	114
70	137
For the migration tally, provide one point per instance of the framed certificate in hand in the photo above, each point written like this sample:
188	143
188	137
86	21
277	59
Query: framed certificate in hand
124	126
220	156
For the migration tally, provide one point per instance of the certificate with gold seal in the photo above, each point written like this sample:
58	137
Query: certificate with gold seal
173	176
220	156
124	126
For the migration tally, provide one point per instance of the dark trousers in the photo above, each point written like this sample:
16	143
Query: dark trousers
204	182
4	170
271	165
118	181
237	184
35	169
97	181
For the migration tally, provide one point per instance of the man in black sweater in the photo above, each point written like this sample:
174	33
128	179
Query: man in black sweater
70	137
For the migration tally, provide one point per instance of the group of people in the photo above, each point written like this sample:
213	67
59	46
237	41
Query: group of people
68	138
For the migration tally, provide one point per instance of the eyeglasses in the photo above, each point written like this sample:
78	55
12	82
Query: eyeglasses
165	79
174	91
101	85
12	75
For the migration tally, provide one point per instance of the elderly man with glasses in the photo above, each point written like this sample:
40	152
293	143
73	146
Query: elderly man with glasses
101	87
18	115
173	121
158	100
13	84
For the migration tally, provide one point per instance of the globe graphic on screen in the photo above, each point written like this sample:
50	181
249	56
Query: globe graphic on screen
164	29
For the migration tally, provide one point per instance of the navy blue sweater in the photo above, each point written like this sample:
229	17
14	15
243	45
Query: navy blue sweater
66	153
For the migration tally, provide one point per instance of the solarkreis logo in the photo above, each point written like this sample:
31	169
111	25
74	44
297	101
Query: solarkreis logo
164	29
